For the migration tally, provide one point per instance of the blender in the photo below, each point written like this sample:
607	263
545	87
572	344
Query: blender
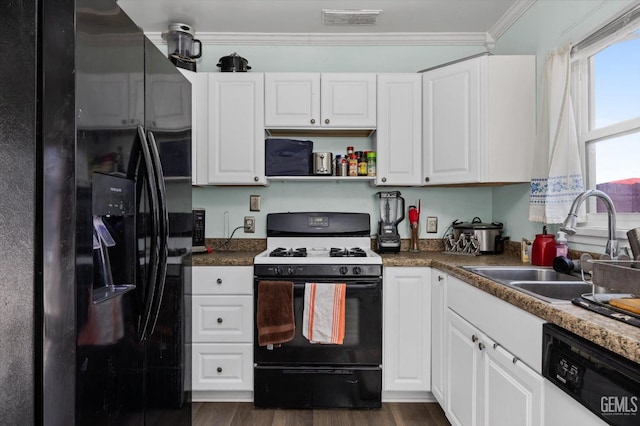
181	46
391	214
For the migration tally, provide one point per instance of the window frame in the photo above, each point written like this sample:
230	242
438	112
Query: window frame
594	230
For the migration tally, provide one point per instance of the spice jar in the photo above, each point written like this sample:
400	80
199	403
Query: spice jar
353	165
371	163
362	164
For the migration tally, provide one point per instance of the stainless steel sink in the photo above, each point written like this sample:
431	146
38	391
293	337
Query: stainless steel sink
520	273
541	282
555	291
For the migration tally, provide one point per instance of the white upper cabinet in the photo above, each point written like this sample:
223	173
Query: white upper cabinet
292	99
312	100
479	121
399	129
236	129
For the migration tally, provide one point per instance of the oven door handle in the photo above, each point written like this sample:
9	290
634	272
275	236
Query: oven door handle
350	286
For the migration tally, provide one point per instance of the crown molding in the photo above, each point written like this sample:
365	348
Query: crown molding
339	39
512	15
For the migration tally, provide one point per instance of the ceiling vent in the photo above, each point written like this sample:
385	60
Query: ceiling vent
350	16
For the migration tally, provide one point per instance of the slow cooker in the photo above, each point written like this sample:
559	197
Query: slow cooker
489	235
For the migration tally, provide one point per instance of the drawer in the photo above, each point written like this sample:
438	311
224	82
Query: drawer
222	367
222	319
222	280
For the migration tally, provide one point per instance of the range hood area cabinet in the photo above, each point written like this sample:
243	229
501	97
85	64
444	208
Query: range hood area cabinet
314	101
479	121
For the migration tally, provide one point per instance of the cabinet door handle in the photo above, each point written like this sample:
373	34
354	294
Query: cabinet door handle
384	179
219	280
515	359
256	178
474	338
313	121
440	278
326	121
219	369
219	320
480	345
426	179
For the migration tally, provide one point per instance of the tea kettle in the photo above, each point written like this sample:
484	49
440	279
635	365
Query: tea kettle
180	46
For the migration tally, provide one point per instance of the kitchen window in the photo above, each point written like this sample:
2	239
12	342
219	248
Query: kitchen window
606	93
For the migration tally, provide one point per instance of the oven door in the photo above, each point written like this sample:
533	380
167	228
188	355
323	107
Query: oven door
363	330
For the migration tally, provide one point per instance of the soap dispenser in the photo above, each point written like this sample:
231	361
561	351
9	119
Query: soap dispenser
543	250
562	249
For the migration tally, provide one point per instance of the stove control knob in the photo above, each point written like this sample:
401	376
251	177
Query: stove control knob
343	270
291	270
357	270
278	270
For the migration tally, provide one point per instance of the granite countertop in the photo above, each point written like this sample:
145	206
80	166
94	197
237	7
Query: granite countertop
614	335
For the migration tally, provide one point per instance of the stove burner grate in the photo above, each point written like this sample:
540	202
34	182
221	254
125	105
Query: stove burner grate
353	252
283	252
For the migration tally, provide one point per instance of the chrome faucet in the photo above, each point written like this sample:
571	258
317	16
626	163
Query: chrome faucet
569	224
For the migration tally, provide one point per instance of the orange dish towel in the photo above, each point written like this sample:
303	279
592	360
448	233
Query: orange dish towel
274	315
323	315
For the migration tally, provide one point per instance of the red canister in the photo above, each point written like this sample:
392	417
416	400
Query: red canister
543	250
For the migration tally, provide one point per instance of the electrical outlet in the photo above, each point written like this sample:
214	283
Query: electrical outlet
432	224
249	224
254	203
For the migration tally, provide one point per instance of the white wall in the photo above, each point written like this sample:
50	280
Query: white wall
447	204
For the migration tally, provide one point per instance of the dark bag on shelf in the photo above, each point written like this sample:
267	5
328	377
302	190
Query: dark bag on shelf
288	157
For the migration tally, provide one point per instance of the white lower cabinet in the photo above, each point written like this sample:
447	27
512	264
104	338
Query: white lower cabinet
486	384
222	333
406	361
438	335
490	352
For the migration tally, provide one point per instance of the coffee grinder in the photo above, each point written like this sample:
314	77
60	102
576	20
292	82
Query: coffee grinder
391	214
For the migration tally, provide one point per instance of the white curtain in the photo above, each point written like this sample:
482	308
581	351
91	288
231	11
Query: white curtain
557	172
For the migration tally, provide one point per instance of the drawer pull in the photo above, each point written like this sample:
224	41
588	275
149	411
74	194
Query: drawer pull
219	320
219	280
219	369
474	338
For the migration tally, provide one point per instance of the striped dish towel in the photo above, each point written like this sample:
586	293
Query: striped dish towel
323	313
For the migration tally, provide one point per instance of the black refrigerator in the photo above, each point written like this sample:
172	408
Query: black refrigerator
106	215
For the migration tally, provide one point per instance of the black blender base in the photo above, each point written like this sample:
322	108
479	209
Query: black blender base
183	63
388	247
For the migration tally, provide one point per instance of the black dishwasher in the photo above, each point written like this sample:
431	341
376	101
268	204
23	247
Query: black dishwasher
604	382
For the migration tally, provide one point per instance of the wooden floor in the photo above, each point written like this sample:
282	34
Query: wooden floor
243	413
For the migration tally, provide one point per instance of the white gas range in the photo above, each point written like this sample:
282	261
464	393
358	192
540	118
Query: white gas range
318	244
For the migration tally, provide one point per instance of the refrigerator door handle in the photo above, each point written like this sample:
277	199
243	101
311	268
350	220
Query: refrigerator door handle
154	252
164	233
